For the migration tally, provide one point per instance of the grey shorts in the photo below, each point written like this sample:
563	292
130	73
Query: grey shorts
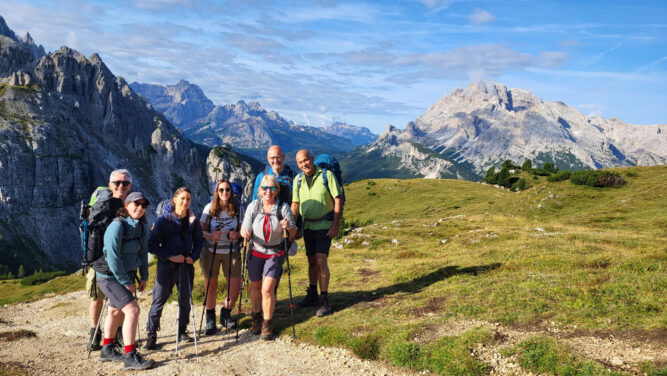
259	267
118	295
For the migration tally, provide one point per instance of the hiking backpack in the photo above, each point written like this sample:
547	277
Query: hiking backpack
102	212
327	163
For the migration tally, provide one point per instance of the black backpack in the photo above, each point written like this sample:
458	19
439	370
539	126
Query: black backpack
101	214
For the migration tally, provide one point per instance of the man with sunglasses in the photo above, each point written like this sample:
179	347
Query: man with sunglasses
120	183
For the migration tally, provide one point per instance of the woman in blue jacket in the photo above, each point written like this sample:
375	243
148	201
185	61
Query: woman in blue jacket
125	250
176	239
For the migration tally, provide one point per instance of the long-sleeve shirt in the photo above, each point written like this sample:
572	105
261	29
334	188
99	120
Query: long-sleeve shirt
129	255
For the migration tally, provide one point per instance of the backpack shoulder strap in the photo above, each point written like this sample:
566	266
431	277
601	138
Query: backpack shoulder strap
325	181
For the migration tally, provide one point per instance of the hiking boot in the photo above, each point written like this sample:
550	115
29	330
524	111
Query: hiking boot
226	319
109	354
183	336
311	298
94	340
134	361
267	333
210	324
323	306
151	341
256	323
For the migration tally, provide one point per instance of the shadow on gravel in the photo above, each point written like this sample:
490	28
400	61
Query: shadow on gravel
346	299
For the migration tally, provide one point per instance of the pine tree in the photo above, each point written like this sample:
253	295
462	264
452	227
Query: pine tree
504	177
507	164
490	177
21	272
527	165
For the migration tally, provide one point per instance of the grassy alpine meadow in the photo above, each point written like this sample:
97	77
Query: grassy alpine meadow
426	252
418	255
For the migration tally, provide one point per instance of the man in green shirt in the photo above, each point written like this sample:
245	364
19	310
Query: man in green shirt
320	207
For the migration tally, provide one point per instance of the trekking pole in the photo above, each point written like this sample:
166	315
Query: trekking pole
210	274
243	266
136	296
289	284
192	308
99	319
178	317
229	278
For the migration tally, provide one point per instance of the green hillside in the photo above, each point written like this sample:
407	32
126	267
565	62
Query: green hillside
424	255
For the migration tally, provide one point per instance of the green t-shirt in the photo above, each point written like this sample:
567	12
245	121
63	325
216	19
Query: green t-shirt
315	201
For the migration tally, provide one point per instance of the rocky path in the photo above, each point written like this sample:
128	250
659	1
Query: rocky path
60	322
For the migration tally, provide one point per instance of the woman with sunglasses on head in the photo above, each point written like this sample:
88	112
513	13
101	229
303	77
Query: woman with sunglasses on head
265	223
176	239
126	250
221	221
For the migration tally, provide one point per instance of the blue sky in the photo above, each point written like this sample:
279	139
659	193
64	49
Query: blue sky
372	63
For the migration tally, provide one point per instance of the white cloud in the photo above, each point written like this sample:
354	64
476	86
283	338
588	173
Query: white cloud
552	59
481	16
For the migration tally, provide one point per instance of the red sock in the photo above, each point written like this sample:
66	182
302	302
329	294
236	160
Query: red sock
130	348
108	341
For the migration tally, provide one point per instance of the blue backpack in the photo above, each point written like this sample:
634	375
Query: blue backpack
328	163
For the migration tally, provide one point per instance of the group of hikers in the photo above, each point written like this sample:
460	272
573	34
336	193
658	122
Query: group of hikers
116	251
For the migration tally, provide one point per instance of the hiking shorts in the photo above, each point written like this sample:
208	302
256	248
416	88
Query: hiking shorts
92	288
221	260
259	268
118	295
316	241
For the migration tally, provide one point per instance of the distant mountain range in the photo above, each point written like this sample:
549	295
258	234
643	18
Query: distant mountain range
468	131
65	123
246	127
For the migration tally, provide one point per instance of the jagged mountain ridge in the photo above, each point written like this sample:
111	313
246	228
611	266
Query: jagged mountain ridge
246	126
357	135
65	123
184	104
486	123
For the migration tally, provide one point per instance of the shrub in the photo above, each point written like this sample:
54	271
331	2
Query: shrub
504	177
40	277
527	165
491	177
597	178
521	184
631	174
547	169
559	176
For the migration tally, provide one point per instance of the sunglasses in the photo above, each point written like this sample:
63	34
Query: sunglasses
224	190
125	183
271	188
143	204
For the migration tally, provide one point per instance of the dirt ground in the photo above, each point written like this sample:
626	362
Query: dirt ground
61	322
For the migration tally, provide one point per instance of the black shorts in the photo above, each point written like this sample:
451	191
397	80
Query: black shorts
316	241
118	295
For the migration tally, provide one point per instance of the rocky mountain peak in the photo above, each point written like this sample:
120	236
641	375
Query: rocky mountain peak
6	31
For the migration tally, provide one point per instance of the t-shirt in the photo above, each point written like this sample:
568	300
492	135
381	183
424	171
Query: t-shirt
222	222
316	202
